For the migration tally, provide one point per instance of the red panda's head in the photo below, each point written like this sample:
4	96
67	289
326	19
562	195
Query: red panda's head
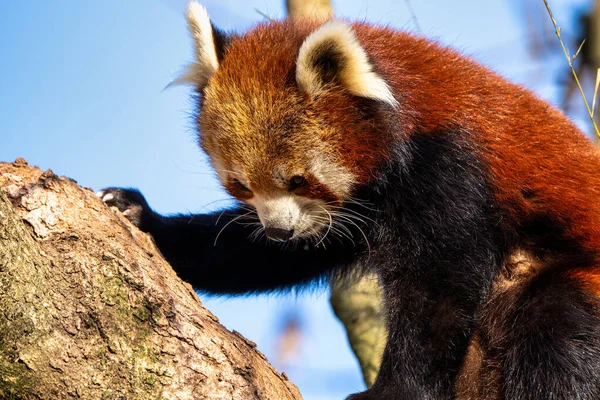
290	116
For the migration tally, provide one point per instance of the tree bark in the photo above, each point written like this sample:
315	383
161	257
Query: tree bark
318	9
89	309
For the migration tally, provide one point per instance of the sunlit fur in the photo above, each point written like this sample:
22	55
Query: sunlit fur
263	135
301	98
205	55
336	40
475	202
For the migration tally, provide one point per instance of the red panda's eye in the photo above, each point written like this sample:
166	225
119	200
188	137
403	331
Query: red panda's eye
297	181
239	185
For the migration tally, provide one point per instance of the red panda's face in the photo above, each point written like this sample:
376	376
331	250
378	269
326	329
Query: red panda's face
284	117
270	155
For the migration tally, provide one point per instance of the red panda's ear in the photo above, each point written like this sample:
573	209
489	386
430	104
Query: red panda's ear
209	47
332	54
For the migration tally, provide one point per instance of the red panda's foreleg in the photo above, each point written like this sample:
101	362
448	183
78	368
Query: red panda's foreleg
217	253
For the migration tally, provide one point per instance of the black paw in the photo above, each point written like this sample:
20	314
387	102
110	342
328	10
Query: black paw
130	202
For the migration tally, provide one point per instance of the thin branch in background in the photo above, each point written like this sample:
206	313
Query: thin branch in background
578	50
413	15
264	15
596	91
570	61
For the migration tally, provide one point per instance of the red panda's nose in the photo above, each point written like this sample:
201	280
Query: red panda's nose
279	234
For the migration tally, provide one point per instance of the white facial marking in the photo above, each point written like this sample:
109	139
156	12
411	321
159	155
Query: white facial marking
355	73
279	212
335	177
288	212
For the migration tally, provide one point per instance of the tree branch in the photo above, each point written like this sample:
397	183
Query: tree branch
89	309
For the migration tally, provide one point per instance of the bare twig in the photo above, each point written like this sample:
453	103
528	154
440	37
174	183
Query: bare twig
413	15
570	61
264	15
596	90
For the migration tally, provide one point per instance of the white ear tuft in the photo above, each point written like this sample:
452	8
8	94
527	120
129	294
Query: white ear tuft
189	75
332	53
205	51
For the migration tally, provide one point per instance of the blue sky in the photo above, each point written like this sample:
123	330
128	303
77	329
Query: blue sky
81	93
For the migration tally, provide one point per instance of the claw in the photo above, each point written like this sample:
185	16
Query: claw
108	197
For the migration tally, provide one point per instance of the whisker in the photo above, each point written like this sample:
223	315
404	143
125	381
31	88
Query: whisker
350	221
333	225
339	229
343	234
243	207
350	216
255	235
318	238
249	223
227	224
226	170
356	214
219	217
328	226
215	201
359	202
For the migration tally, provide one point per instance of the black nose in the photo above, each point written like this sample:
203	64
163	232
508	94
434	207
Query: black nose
281	235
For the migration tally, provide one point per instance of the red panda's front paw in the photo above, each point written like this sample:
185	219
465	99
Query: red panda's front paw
130	202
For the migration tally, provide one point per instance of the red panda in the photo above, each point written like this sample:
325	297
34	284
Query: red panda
477	203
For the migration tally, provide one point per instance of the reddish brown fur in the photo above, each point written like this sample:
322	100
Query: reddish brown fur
480	375
278	109
440	88
540	163
589	278
315	189
436	88
485	228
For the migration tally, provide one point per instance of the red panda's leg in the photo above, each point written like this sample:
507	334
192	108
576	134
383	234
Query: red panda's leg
545	337
217	253
540	340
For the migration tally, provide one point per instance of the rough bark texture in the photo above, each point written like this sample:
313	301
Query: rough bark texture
320	9
89	309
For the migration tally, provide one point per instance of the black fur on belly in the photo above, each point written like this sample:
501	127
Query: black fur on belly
437	245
